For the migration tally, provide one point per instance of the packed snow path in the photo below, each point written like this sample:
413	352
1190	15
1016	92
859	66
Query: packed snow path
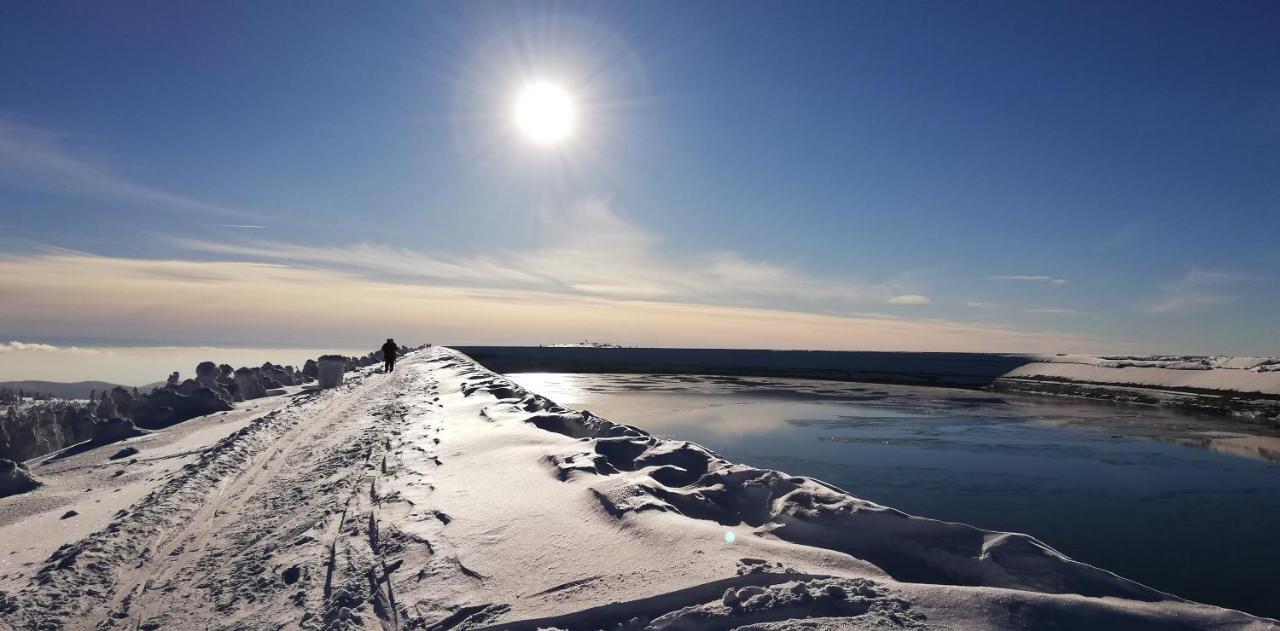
442	496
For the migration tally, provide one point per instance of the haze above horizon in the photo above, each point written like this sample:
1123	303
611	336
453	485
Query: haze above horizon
1003	177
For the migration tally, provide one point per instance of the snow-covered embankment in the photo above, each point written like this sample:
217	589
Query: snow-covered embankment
443	496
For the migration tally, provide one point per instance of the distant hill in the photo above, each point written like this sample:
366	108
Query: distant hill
76	390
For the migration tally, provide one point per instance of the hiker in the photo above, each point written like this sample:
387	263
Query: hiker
389	351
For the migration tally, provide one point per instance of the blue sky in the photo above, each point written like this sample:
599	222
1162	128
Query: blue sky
923	175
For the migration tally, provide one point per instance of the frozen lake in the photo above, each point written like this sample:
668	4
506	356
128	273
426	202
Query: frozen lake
1185	504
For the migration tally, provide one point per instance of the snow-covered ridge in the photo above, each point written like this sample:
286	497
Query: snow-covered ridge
443	496
1171	362
1216	377
631	472
689	479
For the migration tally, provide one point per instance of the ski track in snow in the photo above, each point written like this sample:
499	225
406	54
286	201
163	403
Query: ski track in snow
443	496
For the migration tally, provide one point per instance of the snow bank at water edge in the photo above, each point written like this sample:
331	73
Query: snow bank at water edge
1248	387
443	496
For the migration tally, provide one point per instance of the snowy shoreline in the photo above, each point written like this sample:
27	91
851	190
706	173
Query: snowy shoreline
1244	387
443	496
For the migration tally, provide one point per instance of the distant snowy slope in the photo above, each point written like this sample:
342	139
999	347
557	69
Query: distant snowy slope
1233	374
63	390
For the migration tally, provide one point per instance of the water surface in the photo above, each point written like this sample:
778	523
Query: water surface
1186	504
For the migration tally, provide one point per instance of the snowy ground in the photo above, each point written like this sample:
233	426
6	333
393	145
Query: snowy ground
443	496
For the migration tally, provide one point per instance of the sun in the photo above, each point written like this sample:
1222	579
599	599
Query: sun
545	113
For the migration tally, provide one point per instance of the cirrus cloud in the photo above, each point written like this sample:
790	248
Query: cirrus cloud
1030	278
1197	290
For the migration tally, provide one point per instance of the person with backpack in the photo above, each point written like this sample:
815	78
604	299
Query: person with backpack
389	352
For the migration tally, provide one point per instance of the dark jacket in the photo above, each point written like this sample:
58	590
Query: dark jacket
389	351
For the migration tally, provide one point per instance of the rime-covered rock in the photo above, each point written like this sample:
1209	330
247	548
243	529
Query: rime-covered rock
210	376
311	369
114	430
76	424
232	389
167	406
207	373
330	370
278	374
8	425
124	400
247	381
15	478
106	408
267	377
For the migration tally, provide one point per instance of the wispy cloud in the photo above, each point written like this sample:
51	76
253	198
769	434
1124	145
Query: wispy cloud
105	297
590	250
977	304
26	347
1030	278
1058	312
1197	290
34	158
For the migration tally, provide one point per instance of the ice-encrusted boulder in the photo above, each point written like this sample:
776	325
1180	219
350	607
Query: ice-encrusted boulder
106	408
227	379
267	380
277	374
250	387
76	424
43	428
114	430
331	369
207	373
15	478
8	426
311	369
210	376
124	400
168	405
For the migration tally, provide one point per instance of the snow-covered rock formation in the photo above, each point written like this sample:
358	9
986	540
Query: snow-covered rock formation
15	478
44	427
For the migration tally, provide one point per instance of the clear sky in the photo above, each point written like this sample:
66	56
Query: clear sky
1073	176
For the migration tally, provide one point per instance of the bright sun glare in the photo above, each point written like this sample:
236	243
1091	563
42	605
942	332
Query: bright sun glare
545	113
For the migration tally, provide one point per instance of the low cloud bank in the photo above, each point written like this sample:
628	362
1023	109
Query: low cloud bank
23	347
124	298
141	365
